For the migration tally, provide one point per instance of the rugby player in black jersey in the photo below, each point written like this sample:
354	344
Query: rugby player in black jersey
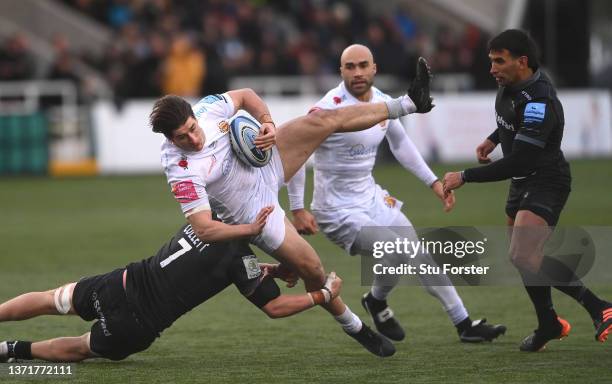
530	128
133	305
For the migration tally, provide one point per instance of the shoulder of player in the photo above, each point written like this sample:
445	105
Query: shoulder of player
202	106
540	90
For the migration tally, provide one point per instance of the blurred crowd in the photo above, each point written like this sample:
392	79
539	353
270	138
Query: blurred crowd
192	47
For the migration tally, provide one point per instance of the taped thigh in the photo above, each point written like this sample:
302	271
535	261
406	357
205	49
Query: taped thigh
63	298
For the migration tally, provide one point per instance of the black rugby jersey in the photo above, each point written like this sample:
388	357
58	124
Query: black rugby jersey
530	125
186	272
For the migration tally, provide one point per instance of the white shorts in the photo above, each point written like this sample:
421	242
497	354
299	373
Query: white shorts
273	232
342	225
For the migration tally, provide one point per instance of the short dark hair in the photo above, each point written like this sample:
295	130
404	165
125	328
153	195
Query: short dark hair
518	43
169	113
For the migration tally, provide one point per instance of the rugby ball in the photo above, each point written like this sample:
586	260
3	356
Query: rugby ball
243	131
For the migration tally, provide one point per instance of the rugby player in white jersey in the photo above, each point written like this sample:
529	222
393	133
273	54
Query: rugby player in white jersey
205	174
346	198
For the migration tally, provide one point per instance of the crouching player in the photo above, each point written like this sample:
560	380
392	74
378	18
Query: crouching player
133	305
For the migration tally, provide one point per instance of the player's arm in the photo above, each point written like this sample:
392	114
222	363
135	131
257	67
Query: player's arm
303	221
268	298
410	158
528	144
249	101
209	230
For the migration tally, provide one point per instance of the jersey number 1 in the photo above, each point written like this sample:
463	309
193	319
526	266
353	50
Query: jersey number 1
185	247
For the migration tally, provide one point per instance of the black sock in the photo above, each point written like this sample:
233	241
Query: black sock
20	350
464	325
542	300
563	275
375	304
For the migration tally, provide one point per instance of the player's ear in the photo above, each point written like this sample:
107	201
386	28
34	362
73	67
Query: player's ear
374	67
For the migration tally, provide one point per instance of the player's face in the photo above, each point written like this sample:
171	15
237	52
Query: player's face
189	136
358	75
505	68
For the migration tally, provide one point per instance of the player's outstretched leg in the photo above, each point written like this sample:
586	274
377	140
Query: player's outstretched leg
61	349
297	139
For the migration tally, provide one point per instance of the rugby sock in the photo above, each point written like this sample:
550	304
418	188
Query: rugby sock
16	349
542	300
400	106
464	325
561	273
350	322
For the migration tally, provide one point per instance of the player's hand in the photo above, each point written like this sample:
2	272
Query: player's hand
452	181
287	275
266	137
304	222
483	150
334	284
447	198
261	219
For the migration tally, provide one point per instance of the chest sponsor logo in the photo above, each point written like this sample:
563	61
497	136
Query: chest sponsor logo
251	266
337	100
360	150
223	126
184	191
502	123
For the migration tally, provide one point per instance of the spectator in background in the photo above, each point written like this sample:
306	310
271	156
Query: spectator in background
184	69
16	61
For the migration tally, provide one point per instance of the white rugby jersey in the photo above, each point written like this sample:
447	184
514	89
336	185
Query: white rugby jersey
343	163
212	178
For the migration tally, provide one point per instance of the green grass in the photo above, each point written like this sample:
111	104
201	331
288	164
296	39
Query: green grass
55	231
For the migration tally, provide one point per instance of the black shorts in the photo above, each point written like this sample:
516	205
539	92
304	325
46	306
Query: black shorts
117	332
545	199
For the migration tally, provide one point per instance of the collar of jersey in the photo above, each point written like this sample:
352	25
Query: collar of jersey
525	83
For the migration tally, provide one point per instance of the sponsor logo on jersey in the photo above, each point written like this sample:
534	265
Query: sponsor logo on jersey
383	124
534	113
390	201
223	126
337	100
183	163
360	150
526	95
184	191
251	266
502	123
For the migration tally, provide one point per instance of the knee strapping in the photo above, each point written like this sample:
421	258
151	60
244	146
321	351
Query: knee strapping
62	298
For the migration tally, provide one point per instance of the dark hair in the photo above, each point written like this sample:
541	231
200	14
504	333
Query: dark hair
518	43
169	113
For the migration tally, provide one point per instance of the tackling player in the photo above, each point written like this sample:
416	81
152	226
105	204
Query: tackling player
530	125
131	306
205	174
346	198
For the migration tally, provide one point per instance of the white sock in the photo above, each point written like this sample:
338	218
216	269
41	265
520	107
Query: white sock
457	313
400	106
4	348
380	292
350	322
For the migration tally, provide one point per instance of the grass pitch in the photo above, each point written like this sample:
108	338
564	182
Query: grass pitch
56	231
